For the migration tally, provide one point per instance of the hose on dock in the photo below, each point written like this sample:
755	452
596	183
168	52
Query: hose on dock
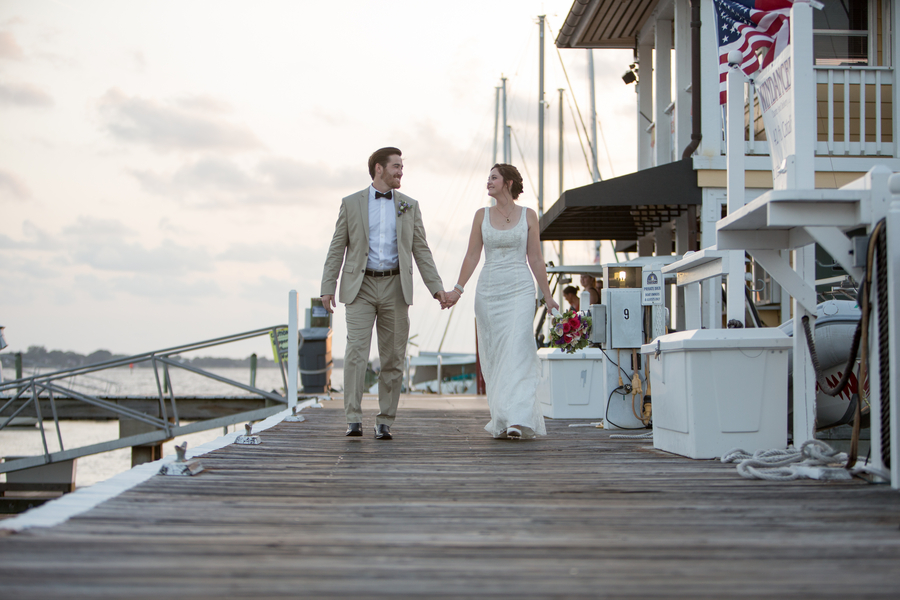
814	459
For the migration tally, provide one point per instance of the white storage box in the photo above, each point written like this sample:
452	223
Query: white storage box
718	389
572	385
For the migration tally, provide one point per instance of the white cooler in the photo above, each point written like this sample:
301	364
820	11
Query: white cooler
714	390
572	385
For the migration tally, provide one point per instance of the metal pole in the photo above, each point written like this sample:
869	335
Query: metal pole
596	169
541	122
562	187
505	126
496	120
561	100
253	364
293	349
508	141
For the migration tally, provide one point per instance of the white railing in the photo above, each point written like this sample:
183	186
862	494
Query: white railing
847	97
855	141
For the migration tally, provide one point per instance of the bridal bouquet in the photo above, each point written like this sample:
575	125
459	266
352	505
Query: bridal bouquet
570	331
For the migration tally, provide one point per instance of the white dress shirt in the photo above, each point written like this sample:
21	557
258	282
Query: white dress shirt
382	233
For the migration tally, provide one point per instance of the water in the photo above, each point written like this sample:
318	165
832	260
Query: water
138	382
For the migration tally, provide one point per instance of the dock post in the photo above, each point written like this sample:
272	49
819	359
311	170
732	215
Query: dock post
801	174
140	454
293	349
736	195
19	368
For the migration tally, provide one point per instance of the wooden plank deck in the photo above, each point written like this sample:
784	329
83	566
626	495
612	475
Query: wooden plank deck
443	510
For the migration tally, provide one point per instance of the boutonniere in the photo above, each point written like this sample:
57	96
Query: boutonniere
404	206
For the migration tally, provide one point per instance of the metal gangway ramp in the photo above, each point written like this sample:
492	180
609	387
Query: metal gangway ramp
40	390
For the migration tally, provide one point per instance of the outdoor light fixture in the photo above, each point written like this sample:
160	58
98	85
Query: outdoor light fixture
630	75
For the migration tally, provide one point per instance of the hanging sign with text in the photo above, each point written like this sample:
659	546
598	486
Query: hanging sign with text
776	99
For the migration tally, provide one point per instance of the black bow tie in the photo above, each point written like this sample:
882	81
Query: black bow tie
389	195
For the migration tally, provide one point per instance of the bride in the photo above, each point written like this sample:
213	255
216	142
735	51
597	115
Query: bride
505	305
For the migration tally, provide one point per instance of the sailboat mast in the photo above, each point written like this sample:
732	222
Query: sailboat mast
496	120
562	188
506	148
596	169
541	122
595	175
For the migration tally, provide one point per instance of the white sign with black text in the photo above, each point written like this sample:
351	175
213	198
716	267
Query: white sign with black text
651	287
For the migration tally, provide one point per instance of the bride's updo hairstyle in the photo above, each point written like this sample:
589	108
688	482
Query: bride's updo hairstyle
510	174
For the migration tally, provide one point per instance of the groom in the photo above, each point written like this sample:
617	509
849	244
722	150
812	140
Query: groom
381	231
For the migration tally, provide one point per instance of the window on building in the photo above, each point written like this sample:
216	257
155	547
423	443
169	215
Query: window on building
841	33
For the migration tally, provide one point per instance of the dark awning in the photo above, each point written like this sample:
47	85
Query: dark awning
604	23
623	208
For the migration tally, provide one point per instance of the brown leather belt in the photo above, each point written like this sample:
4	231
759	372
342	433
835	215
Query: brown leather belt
372	273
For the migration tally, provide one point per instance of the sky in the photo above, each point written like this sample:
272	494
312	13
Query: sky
170	171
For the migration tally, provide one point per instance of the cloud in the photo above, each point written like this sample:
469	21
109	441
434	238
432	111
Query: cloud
287	174
160	285
93	227
251	253
212	172
289	254
168	258
29	268
9	47
13	186
275	180
24	95
203	103
181	125
35	239
207	173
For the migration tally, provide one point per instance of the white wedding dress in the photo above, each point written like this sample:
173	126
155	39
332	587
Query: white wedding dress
504	312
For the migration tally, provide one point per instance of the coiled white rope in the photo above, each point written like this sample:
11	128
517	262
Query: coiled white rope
814	459
642	436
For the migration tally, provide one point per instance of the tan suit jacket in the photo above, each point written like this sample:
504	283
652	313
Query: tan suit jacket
350	248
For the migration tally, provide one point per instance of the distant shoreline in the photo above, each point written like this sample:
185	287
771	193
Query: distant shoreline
38	357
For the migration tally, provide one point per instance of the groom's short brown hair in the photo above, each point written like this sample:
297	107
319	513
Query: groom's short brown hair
380	157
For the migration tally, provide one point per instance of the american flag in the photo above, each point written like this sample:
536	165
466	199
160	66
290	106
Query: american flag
748	26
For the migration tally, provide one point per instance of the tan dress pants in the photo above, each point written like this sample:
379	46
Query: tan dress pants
380	303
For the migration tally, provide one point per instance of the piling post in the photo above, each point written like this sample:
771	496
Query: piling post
293	349
19	369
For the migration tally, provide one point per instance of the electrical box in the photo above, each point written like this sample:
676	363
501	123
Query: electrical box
598	324
624	317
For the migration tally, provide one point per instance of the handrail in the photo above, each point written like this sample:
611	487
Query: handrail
30	389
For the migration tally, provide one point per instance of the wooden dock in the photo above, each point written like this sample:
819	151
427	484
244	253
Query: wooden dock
445	511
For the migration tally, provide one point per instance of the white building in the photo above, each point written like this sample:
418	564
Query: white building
672	203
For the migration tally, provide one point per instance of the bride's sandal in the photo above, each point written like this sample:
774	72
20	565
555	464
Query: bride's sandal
514	433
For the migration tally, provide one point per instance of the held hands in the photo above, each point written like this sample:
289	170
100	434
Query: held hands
442	298
448	299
